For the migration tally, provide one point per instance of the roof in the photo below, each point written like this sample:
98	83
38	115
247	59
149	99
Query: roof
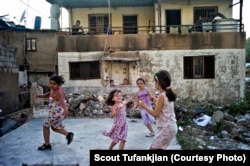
101	3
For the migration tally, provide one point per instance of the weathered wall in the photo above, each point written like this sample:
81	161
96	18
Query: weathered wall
9	99
228	83
132	42
42	60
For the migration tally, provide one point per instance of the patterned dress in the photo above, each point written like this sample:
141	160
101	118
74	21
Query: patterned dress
166	124
55	115
119	130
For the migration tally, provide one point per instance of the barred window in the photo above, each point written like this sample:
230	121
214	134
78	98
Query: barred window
204	13
98	23
199	67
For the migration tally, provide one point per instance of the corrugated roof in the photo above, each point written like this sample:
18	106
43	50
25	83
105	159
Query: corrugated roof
101	3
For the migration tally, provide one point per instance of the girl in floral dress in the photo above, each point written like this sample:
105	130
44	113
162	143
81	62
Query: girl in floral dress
58	111
119	131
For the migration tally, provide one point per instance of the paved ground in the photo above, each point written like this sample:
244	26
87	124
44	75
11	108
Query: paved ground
20	145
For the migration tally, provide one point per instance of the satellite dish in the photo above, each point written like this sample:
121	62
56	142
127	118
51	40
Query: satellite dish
22	16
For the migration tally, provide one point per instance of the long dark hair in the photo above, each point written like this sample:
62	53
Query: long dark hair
164	79
109	100
58	79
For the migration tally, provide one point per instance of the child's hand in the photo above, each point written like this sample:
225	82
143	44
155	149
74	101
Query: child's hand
141	104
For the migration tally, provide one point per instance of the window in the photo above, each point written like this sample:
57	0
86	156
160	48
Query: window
204	13
84	70
199	67
98	23
31	44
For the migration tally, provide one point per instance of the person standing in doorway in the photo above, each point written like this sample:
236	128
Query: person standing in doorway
164	111
145	95
58	111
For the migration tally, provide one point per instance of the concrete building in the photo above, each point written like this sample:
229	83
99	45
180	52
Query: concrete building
197	41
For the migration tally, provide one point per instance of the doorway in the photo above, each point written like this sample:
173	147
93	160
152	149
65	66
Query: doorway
173	17
119	72
130	24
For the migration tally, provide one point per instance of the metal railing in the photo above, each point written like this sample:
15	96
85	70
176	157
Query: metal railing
171	29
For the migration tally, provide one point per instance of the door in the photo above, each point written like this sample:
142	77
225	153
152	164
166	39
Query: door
119	72
130	25
173	17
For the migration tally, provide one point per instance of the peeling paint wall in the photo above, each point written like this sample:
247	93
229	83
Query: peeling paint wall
227	85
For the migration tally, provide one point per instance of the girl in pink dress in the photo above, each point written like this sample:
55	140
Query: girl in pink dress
119	130
164	111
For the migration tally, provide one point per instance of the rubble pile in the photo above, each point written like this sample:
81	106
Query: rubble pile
87	104
218	131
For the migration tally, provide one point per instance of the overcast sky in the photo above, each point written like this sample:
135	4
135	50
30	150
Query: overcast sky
33	8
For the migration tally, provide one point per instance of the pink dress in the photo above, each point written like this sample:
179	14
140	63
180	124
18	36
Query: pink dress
166	124
119	130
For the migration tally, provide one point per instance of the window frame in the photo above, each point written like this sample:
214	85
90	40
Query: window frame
99	29
199	67
205	15
86	70
31	44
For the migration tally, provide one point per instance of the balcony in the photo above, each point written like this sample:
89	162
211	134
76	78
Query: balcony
176	37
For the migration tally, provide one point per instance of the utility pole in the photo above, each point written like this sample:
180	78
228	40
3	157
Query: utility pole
241	7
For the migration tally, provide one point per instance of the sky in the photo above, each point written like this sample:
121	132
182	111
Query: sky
33	8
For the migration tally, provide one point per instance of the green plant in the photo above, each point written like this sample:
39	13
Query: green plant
238	108
187	139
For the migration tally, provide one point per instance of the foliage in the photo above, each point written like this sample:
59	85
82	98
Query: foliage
238	108
248	50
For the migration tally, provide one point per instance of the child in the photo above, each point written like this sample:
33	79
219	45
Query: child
125	82
119	130
145	95
58	111
111	83
164	111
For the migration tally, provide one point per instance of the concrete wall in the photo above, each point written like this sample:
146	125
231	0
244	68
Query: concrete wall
46	43
9	98
14	57
227	85
132	42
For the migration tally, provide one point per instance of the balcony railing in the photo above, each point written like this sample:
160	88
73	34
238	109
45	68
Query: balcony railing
216	26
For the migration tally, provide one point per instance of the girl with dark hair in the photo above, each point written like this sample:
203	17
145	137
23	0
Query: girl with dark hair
144	94
58	111
164	111
119	130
